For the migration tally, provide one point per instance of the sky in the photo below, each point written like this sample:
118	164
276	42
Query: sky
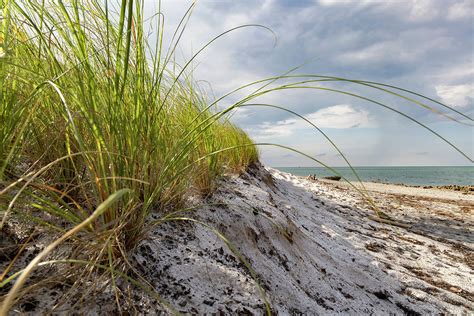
425	46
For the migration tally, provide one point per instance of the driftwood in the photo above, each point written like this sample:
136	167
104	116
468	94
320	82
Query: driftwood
335	178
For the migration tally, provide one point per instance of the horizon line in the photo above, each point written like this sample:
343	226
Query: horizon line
346	166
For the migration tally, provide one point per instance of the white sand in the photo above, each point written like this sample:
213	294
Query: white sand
407	190
313	249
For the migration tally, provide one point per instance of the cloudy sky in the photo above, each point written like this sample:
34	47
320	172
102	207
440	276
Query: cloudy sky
425	46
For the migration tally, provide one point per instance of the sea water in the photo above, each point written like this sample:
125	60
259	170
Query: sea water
400	175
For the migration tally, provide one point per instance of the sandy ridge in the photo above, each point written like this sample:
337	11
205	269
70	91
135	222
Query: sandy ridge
315	252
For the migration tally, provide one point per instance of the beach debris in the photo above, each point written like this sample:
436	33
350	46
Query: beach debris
333	178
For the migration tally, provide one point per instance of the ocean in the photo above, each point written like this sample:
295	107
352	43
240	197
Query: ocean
398	175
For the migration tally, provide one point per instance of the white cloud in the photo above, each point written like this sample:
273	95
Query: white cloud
375	52
462	72
423	10
408	46
337	116
455	95
340	116
345	2
411	10
461	10
270	131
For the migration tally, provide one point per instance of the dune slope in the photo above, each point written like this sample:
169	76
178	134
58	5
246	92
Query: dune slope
314	251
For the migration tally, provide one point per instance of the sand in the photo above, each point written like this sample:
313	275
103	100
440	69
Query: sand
315	252
442	194
312	248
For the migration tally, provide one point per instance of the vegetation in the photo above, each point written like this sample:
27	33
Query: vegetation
89	109
98	128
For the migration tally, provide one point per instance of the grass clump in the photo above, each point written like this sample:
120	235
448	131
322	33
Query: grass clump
90	102
88	110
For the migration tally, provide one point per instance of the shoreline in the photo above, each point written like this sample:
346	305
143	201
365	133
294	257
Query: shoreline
389	188
463	189
451	179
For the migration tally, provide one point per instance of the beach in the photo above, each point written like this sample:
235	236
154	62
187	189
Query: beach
309	245
420	176
175	158
314	250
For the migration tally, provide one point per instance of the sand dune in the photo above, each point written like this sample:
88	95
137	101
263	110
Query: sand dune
315	252
312	248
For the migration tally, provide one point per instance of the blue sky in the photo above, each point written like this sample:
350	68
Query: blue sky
426	46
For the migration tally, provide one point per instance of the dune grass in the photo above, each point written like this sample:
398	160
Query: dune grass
89	109
83	97
98	128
